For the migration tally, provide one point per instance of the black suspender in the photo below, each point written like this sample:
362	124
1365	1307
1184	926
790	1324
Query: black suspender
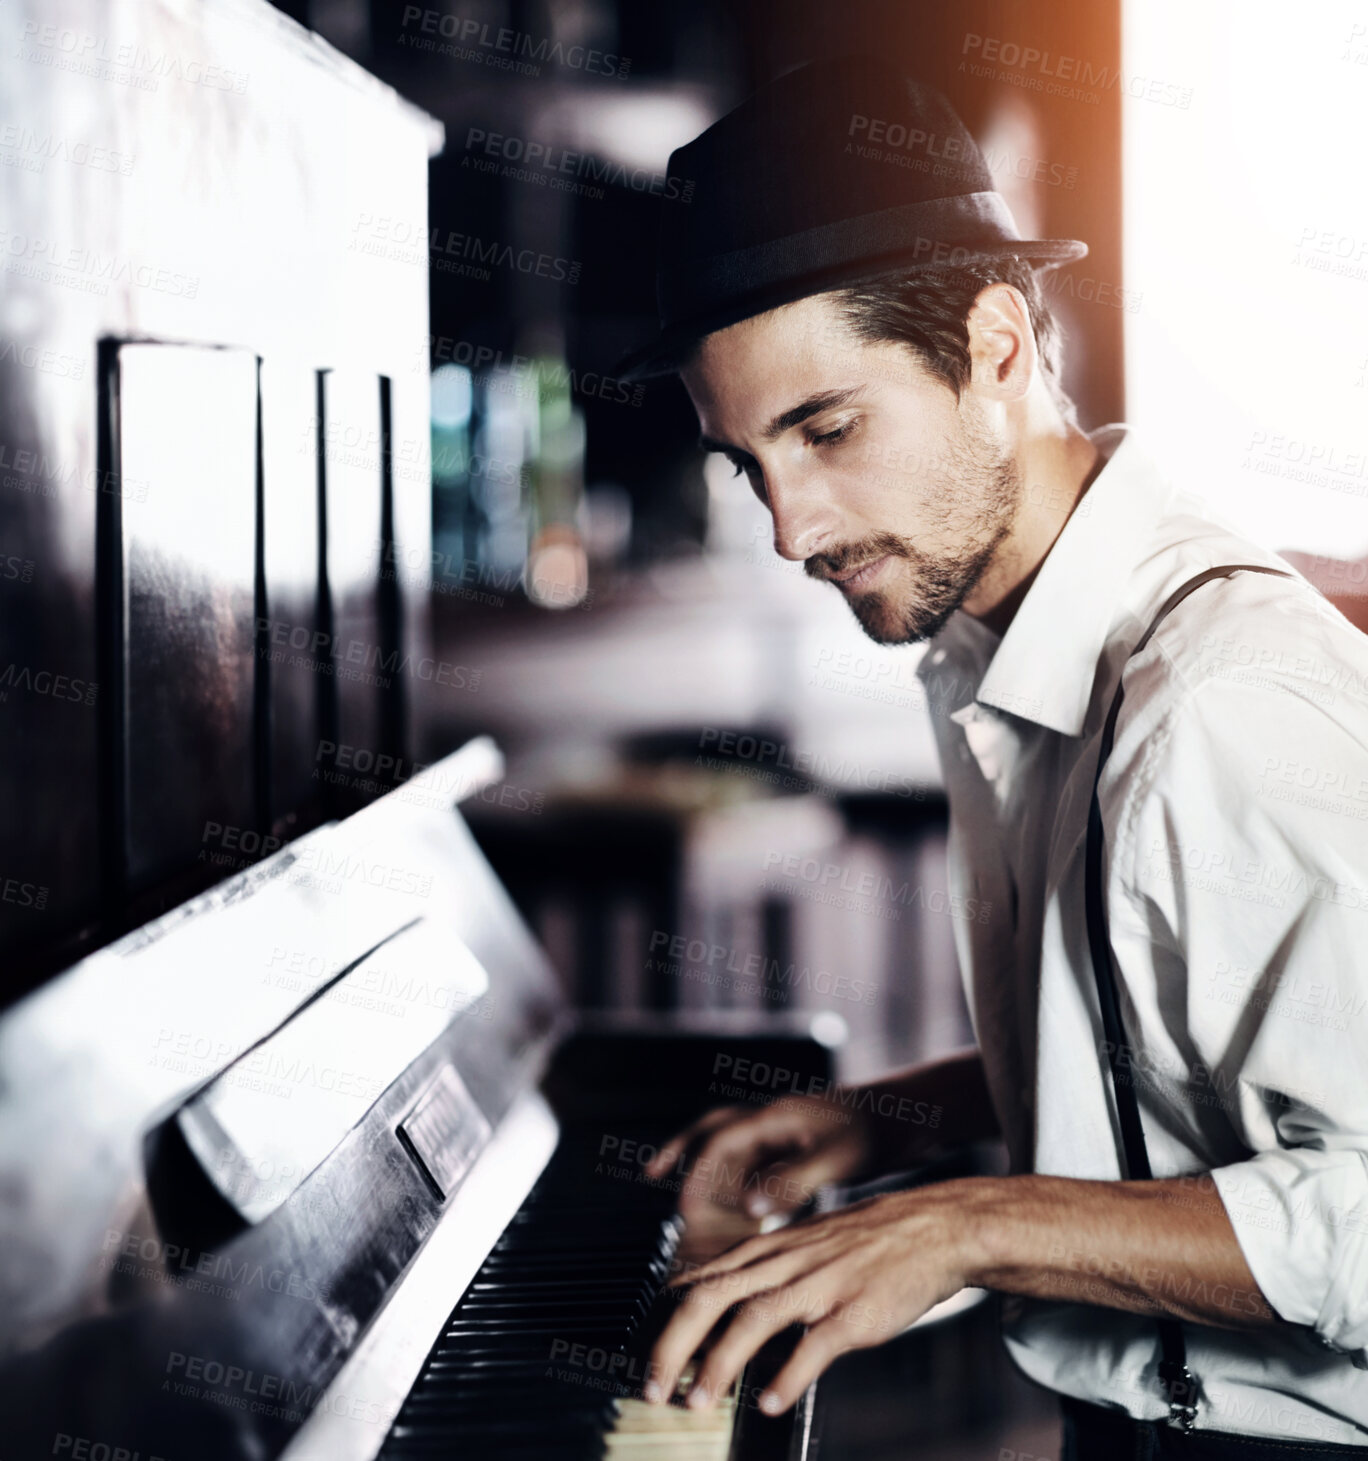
1178	1382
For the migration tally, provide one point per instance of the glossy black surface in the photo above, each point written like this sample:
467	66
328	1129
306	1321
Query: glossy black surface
364	665
187	428
288	617
191	223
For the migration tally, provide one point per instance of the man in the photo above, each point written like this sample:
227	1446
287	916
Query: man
867	340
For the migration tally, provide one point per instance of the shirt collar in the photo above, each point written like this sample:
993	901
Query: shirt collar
1044	666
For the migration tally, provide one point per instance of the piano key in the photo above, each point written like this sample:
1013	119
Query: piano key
539	1357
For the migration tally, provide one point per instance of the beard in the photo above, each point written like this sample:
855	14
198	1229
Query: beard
977	496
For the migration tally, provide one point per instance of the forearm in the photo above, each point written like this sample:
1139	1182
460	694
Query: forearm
1161	1247
920	1110
862	1274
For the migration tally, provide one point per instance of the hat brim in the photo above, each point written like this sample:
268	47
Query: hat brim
660	356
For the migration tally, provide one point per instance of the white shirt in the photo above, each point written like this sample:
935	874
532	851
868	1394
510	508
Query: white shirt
1235	804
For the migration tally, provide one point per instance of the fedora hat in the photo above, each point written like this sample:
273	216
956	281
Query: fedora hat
835	171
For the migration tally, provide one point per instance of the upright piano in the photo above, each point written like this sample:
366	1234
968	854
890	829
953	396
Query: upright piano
318	1165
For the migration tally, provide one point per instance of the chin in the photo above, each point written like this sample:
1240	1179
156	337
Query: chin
883	623
889	623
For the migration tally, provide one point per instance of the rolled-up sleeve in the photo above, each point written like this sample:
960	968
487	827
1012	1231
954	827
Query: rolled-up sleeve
1241	866
1301	1219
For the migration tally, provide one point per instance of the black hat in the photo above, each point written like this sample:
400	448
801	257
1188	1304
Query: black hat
835	171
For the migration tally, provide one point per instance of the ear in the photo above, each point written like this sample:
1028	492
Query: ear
1002	347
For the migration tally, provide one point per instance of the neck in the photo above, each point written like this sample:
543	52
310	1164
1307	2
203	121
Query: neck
1057	466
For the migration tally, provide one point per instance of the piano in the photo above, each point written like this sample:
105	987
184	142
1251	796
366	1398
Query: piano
319	1165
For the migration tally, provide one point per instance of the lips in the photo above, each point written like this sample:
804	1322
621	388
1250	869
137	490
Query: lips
858	577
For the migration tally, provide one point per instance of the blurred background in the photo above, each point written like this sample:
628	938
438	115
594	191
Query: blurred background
364	290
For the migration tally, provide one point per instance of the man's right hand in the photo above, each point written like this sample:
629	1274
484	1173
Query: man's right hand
768	1160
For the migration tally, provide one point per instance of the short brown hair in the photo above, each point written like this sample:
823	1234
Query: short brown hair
928	310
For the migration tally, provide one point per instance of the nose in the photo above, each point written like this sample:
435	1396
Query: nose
804	520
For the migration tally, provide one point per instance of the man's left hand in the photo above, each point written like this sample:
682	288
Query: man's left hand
856	1278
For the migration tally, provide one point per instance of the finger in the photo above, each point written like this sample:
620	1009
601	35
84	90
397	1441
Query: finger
675	1148
754	1323
823	1343
680	1339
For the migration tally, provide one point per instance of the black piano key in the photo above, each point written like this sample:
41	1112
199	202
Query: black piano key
579	1265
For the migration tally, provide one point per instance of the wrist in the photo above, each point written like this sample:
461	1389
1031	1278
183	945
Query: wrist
974	1230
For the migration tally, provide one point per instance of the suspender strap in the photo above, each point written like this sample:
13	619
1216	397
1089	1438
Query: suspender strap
1179	1384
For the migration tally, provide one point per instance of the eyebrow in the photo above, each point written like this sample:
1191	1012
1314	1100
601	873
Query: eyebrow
786	420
